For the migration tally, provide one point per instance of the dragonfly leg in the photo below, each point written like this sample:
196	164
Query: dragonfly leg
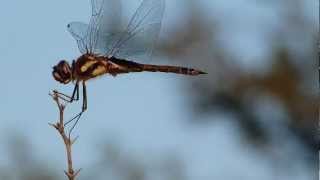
74	96
84	108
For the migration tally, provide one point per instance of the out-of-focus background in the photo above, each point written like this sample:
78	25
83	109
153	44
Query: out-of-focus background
254	116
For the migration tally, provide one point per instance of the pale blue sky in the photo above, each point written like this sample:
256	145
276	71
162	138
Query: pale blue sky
145	112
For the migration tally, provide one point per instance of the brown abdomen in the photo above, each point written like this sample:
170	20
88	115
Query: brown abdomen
136	67
172	69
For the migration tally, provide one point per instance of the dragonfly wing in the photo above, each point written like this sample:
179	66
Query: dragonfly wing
106	16
105	22
104	42
139	38
78	31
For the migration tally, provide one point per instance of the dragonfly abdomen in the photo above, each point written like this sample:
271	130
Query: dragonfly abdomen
130	66
171	69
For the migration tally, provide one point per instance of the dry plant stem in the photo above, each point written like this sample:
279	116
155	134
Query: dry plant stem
59	126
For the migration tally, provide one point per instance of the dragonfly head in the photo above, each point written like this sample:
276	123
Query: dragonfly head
62	72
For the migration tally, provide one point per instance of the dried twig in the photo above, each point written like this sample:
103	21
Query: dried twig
68	141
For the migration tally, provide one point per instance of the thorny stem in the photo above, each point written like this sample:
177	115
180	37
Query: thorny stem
59	126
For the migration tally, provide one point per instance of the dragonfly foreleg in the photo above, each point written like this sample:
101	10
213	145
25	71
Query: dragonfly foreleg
84	108
67	98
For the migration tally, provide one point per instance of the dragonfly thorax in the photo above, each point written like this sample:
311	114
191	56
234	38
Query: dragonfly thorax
62	72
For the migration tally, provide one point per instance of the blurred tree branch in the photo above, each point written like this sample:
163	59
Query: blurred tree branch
60	127
288	79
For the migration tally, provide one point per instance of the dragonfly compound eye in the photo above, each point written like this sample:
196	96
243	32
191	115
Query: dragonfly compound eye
62	72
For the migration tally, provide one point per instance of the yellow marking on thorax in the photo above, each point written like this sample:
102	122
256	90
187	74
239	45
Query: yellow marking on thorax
104	63
99	71
91	57
87	65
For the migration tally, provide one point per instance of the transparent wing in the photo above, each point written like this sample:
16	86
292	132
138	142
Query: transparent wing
102	35
103	43
138	40
78	31
105	22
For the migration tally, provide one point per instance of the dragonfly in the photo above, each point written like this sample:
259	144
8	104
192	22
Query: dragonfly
109	50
